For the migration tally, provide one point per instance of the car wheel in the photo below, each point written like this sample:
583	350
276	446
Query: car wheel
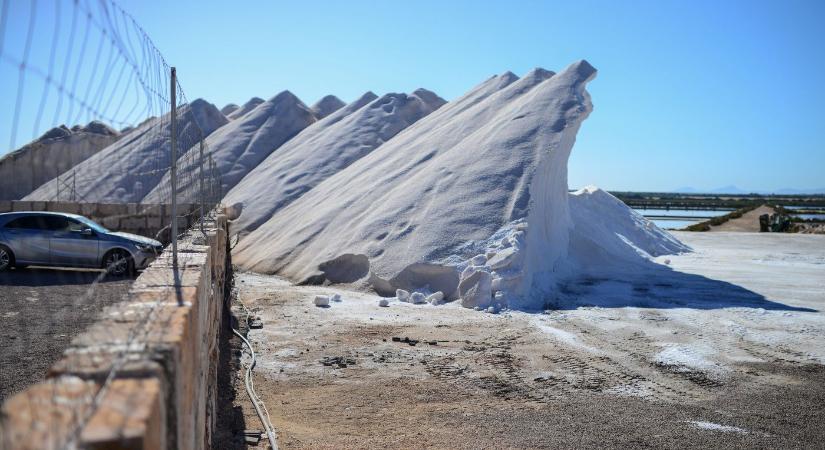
118	263
6	258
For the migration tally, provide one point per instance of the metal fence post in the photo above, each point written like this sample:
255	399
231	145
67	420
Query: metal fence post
202	193
174	167
211	181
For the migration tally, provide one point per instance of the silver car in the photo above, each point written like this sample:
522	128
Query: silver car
69	240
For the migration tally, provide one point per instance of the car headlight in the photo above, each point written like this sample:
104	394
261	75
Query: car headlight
146	248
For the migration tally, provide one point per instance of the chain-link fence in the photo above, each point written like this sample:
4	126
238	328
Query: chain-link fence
92	116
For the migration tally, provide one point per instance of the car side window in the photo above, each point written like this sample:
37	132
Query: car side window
75	225
56	223
28	223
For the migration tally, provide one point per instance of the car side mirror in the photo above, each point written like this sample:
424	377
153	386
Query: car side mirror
86	232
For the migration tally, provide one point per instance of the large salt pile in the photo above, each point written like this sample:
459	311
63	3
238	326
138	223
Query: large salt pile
408	211
58	150
239	146
131	167
323	149
229	109
608	234
327	105
251	104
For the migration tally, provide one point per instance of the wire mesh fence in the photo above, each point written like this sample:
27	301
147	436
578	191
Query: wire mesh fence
92	114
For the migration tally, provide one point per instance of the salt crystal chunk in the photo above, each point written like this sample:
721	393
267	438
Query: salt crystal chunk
417	298
435	298
321	300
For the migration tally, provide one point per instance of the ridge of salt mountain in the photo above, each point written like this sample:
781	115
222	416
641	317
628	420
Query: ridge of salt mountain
454	177
128	169
326	106
323	149
493	84
251	104
56	151
240	145
229	109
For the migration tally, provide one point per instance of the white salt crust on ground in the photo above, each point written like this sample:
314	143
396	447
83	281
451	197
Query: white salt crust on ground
754	327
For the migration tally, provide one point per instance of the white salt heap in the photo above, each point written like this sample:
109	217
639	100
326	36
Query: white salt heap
326	106
128	169
457	176
251	104
238	147
323	149
58	150
471	201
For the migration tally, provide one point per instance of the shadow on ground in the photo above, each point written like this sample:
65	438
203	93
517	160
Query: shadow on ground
47	276
656	286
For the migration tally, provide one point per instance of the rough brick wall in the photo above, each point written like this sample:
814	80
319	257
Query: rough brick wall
161	343
143	219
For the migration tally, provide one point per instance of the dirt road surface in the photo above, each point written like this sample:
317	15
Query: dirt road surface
730	355
749	222
41	310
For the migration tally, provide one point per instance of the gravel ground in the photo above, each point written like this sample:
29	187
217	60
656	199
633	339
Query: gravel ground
41	310
737	363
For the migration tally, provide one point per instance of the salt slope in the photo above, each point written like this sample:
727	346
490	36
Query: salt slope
239	146
251	104
451	178
326	106
323	149
241	193
131	167
58	150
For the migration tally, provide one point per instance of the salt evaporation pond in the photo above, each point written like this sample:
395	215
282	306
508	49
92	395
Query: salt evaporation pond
676	219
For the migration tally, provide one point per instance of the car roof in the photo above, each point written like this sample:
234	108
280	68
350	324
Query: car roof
5	217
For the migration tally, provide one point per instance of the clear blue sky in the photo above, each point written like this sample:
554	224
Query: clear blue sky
689	93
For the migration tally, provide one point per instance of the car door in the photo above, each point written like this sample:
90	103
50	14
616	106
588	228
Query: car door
70	246
28	237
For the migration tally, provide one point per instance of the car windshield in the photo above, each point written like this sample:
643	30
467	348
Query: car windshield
92	224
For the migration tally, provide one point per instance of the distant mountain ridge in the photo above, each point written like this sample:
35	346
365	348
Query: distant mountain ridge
732	189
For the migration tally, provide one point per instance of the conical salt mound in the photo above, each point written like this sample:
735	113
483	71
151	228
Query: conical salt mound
323	149
326	106
55	152
251	104
131	167
239	146
407	211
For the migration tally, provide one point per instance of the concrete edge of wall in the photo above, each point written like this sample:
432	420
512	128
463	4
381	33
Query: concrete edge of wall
161	343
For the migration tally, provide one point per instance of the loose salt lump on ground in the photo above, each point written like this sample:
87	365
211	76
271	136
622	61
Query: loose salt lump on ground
435	298
478	260
383	302
335	298
402	295
321	300
418	298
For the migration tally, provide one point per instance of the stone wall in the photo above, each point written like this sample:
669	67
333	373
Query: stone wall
144	376
150	220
